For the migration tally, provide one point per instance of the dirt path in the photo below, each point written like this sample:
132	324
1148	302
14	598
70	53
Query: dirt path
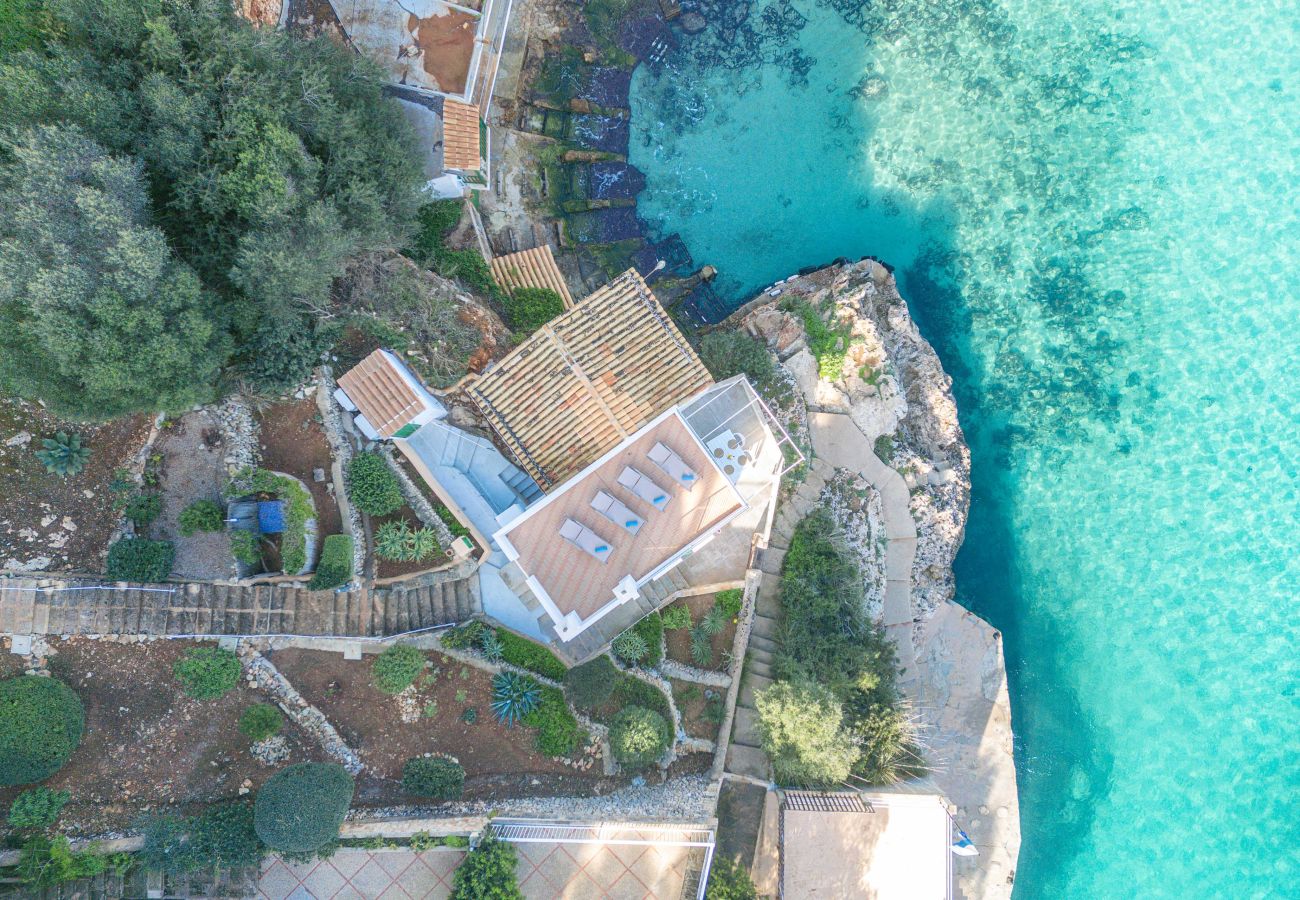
193	469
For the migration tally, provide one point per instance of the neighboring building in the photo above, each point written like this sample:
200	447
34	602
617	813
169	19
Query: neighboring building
442	50
534	268
882	845
387	397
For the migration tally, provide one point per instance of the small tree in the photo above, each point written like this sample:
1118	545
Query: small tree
37	807
592	684
140	560
41	722
372	487
487	872
206	673
433	776
801	727
201	515
260	721
638	736
396	668
300	808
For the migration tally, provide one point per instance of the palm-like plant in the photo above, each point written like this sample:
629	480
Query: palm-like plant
421	544
391	539
701	646
63	454
630	647
490	644
514	696
714	621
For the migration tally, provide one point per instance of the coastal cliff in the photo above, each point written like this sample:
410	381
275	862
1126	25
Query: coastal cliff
843	337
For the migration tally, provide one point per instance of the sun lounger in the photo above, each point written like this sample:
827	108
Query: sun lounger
616	511
584	538
642	486
673	465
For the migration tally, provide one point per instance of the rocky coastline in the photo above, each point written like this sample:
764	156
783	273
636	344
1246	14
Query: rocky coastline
893	387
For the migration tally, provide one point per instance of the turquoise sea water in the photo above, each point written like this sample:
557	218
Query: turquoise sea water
1093	210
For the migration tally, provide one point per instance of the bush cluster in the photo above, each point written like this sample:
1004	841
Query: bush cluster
530	655
528	309
729	353
246	547
372	487
591	684
143	508
335	566
487	872
558	731
801	725
201	515
222	835
45	862
396	668
301	807
260	721
37	807
206	673
140	560
676	617
41	722
729	601
729	880
433	776
639	736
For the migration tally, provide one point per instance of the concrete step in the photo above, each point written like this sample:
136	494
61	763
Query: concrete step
758	667
770	559
764	627
752	685
746	760
759	642
759	655
744	729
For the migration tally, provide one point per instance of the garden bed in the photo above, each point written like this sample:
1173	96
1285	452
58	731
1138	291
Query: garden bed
678	641
64	522
293	442
386	730
701	713
389	568
192	468
147	746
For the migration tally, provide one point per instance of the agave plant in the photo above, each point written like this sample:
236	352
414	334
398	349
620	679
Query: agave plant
714	621
391	539
63	454
514	696
490	644
421	544
701	646
630	647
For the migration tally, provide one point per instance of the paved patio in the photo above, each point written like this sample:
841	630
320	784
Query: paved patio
547	871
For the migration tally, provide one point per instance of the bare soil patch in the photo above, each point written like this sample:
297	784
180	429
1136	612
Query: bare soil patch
193	468
678	641
147	746
64	522
701	706
293	442
388	730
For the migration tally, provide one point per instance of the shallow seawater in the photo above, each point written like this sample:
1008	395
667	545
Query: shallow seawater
1094	210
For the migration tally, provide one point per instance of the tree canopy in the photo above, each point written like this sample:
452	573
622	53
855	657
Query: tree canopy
247	166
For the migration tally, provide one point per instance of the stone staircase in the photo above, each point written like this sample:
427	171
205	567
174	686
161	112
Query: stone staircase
745	755
80	606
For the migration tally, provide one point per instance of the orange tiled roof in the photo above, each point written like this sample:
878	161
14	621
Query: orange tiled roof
381	394
460	136
534	268
591	377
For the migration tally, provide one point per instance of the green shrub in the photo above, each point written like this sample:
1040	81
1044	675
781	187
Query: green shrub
528	309
802	729
301	807
37	807
558	731
433	222
298	508
41	721
143	508
530	655
206	673
729	353
201	515
701	646
730	601
714	621
139	560
639	736
651	630
398	542
222	835
514	696
396	668
260	721
422	840
728	880
335	566
490	646
449	519
676	617
469	267
487	872
63	454
44	862
630	647
633	691
592	684
246	547
372	486
827	344
433	776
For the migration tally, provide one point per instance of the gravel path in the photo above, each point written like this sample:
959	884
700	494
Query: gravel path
193	469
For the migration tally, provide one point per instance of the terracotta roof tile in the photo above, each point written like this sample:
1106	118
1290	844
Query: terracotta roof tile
460	136
534	268
381	394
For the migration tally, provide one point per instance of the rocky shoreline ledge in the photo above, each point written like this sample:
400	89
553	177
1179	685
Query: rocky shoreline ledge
892	386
